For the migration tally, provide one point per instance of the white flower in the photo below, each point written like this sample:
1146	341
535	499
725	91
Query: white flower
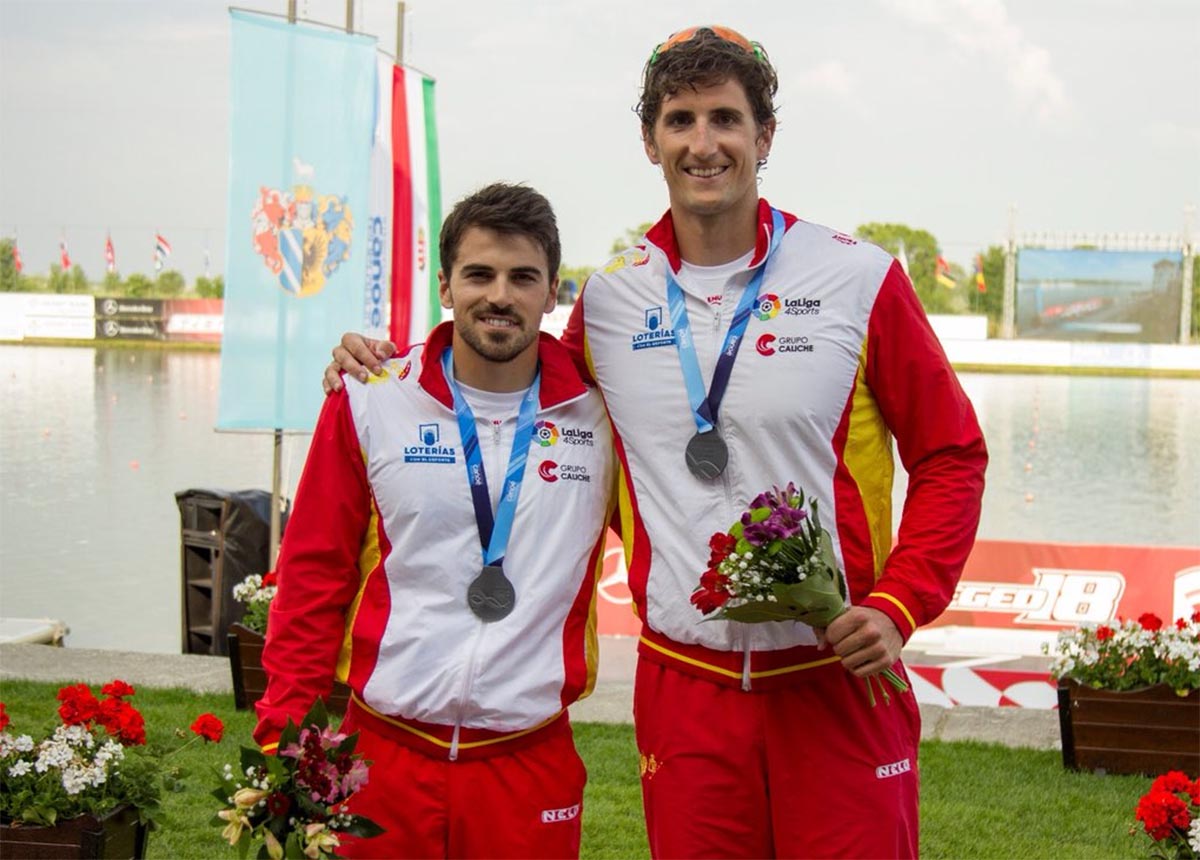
20	768
1194	836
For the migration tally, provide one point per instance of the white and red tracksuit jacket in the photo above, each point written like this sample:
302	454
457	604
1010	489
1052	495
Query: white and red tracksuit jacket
382	545
837	362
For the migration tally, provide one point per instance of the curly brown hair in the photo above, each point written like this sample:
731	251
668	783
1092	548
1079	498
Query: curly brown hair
707	60
509	210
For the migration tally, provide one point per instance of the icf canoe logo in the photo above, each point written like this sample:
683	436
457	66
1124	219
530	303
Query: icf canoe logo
302	235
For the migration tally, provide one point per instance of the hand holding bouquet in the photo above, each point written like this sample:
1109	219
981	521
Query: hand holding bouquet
295	801
777	564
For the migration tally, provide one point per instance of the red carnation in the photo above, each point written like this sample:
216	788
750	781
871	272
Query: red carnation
1104	632
3	718
270	578
1196	616
117	688
707	600
722	545
1150	621
209	727
79	707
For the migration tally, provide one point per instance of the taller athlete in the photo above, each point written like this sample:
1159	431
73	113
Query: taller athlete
758	740
427	564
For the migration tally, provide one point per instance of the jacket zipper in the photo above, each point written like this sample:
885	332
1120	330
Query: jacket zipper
464	690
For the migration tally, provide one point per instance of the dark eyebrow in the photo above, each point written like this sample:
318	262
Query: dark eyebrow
526	270
476	268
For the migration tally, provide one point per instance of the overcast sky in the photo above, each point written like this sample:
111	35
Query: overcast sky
1084	114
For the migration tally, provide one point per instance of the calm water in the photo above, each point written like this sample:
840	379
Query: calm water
94	443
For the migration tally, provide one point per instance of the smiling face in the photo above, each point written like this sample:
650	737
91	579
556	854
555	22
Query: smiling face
709	145
499	287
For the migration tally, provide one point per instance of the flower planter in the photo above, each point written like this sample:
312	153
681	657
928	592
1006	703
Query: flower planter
249	679
1147	731
117	835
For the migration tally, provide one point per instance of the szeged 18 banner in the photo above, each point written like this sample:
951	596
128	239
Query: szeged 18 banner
1099	295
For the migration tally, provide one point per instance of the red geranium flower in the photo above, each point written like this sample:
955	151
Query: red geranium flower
1196	616
1104	632
3	718
123	721
79	707
270	578
1150	621
1172	781
1161	813
209	727
117	688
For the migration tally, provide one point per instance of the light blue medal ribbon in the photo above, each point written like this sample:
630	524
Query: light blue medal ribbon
706	452
491	595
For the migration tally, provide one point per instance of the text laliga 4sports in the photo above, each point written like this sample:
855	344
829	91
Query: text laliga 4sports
802	307
576	436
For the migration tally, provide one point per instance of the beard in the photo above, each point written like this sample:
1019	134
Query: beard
499	346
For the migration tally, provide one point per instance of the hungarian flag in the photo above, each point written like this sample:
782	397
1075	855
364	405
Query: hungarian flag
161	249
64	257
110	256
17	264
416	215
942	275
980	283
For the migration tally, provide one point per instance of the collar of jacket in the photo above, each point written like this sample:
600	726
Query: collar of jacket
662	235
560	379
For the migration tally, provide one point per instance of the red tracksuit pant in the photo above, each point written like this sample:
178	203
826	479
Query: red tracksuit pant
523	803
808	770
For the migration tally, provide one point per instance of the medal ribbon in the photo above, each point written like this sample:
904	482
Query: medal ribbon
705	406
493	532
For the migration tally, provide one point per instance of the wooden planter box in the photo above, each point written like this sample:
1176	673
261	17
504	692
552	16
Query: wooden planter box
1148	731
117	835
249	679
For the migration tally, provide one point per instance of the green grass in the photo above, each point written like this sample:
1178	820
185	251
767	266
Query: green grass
977	800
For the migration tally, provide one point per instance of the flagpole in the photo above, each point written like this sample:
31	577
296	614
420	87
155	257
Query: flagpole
277	445
400	33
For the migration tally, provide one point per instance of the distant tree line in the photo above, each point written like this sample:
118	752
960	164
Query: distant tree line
168	284
921	251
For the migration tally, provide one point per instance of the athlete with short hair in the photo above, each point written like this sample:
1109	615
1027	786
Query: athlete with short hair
426	566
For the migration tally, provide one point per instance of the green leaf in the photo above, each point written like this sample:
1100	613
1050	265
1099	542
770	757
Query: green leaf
361	826
346	747
757	515
317	715
292	849
758	612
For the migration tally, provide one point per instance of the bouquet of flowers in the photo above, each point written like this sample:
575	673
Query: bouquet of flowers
295	801
1131	654
96	760
1170	814
256	592
776	563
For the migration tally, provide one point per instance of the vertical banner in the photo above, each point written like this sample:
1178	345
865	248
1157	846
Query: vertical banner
302	108
417	208
379	215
